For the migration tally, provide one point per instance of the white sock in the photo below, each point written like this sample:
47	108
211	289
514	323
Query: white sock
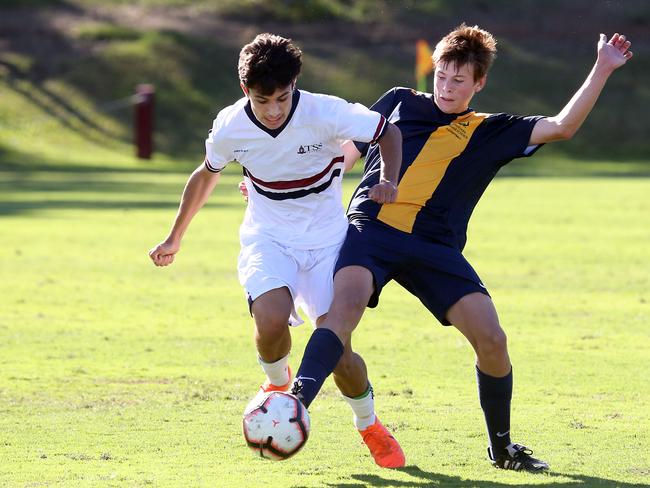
363	408
277	372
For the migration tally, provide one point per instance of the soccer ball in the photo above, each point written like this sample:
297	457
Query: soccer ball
277	427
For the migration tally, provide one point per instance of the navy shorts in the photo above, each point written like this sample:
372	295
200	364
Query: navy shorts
438	275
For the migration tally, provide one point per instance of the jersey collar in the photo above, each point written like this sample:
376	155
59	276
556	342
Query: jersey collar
446	116
274	132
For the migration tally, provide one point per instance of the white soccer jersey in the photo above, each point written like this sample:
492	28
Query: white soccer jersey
293	174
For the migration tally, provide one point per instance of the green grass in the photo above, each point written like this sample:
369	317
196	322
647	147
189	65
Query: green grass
116	373
107	32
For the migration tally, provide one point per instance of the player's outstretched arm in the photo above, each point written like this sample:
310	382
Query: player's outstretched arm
390	148
197	190
612	54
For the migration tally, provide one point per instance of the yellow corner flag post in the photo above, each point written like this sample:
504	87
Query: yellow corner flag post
423	64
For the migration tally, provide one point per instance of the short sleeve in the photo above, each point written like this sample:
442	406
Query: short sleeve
514	133
384	106
357	122
217	151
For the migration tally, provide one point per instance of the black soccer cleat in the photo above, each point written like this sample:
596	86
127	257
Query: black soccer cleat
517	458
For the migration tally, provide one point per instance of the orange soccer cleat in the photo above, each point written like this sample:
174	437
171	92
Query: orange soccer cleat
383	446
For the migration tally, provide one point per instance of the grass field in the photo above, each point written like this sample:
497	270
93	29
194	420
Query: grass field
116	373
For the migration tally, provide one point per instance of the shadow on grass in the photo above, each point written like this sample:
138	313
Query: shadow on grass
99	202
83	194
31	183
97	181
16	208
424	478
48	185
23	163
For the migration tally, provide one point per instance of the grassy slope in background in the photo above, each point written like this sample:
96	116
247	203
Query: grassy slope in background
65	63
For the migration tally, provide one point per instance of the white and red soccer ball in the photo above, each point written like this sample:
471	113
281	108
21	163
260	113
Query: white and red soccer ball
277	427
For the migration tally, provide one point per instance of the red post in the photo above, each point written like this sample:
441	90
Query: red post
143	122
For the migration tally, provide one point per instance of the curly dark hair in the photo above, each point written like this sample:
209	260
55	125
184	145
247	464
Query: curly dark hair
269	62
467	45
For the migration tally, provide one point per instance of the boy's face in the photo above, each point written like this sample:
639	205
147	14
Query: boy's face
454	86
271	110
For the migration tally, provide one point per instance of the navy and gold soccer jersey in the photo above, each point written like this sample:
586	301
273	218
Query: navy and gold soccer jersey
448	161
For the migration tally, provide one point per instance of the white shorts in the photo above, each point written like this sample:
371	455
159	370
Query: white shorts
265	265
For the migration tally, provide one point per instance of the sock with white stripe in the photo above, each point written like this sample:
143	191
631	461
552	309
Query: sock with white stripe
363	407
495	395
277	372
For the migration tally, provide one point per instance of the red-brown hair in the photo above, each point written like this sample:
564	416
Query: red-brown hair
467	45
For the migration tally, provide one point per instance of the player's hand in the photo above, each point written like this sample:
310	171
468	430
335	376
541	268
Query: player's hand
614	53
163	254
383	192
243	190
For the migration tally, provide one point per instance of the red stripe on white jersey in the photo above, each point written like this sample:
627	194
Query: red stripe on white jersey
290	184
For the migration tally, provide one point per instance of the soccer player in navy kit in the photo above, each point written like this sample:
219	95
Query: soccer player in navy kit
450	155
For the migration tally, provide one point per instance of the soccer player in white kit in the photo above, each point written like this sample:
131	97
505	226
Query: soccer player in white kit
288	142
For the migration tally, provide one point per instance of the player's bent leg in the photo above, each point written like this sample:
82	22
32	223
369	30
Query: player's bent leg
476	318
353	286
351	377
271	312
474	315
351	374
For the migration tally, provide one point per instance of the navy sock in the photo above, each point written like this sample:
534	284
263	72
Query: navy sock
321	356
495	395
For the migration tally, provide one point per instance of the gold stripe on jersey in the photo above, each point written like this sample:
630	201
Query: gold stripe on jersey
423	175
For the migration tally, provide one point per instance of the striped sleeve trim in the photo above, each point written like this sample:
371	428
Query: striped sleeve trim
209	166
381	128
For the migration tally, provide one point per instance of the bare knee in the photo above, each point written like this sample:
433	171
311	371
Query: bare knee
352	303
271	313
270	323
492	344
271	326
344	315
353	286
